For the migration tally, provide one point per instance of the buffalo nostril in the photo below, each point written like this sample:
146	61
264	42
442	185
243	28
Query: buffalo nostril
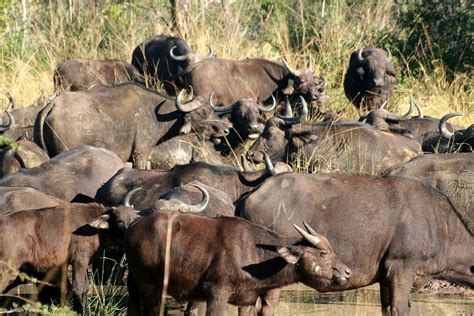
348	272
226	131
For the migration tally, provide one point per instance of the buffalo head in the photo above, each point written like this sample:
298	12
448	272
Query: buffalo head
199	116
370	78
315	260
276	136
245	116
303	82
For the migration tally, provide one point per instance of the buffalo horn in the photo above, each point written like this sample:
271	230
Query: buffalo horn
359	55
296	120
11	122
175	57
268	109
288	110
199	207
391	116
189	104
213	107
442	124
389	53
314	240
211	52
419	109
269	164
126	200
291	70
383	105
245	164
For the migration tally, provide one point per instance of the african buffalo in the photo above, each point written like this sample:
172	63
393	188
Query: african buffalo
256	79
83	74
46	240
355	147
370	78
154	183
21	154
19	122
247	263
445	141
452	174
13	199
396	231
154	61
128	119
81	170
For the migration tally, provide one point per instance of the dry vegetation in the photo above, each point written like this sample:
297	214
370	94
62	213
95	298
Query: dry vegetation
35	40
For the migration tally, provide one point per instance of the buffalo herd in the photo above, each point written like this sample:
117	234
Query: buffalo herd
157	160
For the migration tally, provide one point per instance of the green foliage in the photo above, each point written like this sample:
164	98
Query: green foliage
433	30
7	141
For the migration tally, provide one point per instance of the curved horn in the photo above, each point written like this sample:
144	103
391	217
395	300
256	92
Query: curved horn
199	207
211	52
389	53
189	104
245	163
390	116
11	122
383	105
269	164
175	57
213	107
126	199
314	240
288	110
296	120
291	70
419	109
443	130
225	109
359	55
268	109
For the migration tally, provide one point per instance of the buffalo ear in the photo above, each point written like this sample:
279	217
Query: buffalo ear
101	222
185	129
290	254
299	141
290	89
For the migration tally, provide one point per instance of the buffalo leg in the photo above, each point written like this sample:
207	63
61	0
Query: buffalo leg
133	297
269	301
400	283
247	311
384	297
216	304
80	286
191	309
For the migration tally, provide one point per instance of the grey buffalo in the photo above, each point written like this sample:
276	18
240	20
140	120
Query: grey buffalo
395	231
128	119
84	74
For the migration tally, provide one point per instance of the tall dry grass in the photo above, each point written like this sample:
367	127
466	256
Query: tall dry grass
327	30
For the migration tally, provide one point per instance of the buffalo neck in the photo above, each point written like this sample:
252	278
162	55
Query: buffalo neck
253	178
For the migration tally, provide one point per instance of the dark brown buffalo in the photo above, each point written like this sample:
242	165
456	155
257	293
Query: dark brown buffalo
395	231
233	261
21	154
452	174
81	170
256	79
83	74
346	146
45	240
128	119
446	141
153	60
370	78
154	183
13	199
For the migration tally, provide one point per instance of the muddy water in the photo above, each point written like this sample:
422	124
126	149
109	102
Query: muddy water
301	300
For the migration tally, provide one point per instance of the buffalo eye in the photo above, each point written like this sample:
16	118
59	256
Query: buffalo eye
324	254
121	225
